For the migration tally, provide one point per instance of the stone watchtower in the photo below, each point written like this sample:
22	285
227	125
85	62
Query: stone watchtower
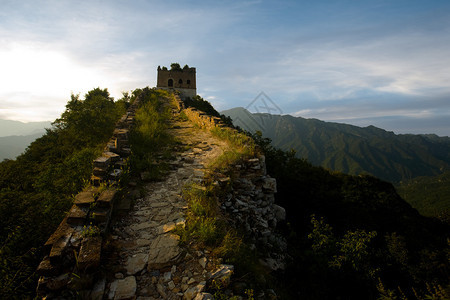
179	79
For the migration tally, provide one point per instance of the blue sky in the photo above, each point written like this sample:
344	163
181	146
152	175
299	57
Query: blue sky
382	63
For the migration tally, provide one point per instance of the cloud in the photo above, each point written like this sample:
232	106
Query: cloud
324	59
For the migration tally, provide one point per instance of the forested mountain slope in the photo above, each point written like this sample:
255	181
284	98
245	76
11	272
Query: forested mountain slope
351	149
429	195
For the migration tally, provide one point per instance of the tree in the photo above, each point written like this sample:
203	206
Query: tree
175	67
88	121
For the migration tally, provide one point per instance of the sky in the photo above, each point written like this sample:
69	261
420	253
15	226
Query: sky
382	63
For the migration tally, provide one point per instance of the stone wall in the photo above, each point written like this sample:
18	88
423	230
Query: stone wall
250	201
198	117
74	249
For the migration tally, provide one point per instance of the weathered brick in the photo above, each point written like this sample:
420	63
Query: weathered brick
106	198
46	268
97	180
60	248
99	172
85	198
62	229
101	215
102	162
113	156
76	215
90	253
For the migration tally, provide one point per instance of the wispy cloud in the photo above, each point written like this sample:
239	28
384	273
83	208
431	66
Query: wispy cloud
326	60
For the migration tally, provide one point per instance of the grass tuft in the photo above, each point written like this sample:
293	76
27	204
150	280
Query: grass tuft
241	147
149	136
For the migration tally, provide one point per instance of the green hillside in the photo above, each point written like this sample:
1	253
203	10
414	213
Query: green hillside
354	237
429	195
351	149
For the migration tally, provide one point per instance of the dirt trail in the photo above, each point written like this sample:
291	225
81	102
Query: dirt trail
147	262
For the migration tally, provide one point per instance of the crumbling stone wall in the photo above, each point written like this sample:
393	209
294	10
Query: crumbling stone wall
250	198
250	201
202	119
75	247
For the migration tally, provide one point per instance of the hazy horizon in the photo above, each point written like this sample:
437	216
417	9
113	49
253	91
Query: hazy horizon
380	63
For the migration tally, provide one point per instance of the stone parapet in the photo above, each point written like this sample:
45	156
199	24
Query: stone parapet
251	200
74	249
202	119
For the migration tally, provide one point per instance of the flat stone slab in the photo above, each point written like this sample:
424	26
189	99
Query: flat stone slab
145	213
46	268
123	288
90	251
102	162
64	228
113	156
136	263
164	252
146	236
166	227
85	198
159	204
143	242
59	248
76	215
175	216
164	212
106	198
142	226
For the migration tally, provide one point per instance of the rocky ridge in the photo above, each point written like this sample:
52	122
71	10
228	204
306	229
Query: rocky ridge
141	257
149	263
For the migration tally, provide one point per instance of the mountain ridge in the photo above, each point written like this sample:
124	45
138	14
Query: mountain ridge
17	128
15	136
14	145
349	148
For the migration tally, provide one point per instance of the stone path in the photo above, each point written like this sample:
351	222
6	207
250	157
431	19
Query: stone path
147	262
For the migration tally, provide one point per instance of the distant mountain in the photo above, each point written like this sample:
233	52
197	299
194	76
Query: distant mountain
351	149
10	128
12	146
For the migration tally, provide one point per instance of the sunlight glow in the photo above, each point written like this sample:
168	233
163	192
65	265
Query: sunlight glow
29	71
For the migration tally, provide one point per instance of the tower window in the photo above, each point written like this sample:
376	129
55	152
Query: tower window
170	83
180	81
188	81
